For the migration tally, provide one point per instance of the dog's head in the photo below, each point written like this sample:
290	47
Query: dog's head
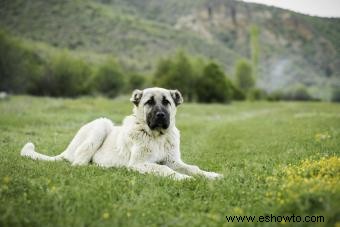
156	106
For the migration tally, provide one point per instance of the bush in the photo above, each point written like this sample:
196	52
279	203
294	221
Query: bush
257	94
213	85
237	94
135	81
176	73
19	66
243	76
64	76
298	93
275	96
336	95
109	79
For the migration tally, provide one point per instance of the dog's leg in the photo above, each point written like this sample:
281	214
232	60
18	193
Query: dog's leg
82	147
180	166
95	137
139	161
160	170
86	150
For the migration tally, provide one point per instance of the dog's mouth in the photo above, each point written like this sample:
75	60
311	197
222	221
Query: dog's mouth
155	123
158	119
158	124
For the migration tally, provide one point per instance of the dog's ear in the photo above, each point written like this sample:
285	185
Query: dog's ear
136	96
176	96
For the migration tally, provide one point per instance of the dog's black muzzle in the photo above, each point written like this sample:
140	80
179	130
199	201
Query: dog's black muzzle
158	118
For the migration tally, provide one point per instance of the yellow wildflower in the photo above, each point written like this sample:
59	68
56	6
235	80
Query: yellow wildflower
321	136
105	215
6	179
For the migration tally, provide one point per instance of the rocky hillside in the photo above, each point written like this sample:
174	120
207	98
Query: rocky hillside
292	48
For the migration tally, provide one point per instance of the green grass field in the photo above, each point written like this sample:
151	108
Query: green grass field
277	158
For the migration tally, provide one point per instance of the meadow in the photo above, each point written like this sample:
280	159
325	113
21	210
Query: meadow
279	158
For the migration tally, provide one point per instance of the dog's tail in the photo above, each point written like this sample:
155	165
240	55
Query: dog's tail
29	151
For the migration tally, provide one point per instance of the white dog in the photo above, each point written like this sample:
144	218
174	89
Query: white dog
148	141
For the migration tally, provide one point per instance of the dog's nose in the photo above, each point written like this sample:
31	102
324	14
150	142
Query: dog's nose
160	115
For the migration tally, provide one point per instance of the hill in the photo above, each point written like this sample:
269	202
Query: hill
293	48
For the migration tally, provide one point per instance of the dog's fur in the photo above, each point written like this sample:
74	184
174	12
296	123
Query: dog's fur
148	141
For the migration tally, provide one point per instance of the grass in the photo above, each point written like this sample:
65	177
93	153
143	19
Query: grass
275	157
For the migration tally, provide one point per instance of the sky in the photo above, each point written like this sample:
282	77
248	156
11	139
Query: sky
321	8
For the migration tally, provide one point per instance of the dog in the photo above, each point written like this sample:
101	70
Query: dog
147	141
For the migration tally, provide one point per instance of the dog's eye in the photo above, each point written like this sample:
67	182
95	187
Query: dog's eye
165	102
150	102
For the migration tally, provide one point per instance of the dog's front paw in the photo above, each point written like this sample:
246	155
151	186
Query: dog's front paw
212	175
181	177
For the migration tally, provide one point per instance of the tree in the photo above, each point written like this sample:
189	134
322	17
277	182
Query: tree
243	76
213	85
255	50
